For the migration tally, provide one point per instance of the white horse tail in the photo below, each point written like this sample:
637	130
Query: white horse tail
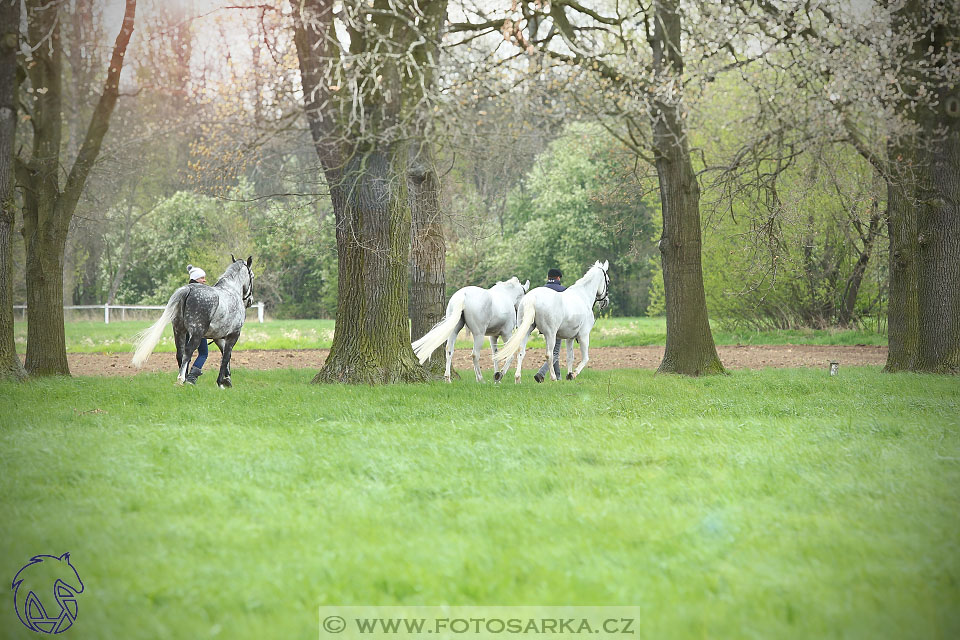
516	340
441	331
146	340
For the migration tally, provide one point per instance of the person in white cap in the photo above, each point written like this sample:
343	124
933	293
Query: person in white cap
197	276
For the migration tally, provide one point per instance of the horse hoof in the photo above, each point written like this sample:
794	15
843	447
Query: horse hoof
179	382
570	376
516	380
538	377
497	377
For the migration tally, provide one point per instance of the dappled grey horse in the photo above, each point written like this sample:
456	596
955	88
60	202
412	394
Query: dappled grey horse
566	314
198	312
485	312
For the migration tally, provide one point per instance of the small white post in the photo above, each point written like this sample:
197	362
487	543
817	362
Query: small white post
106	314
260	312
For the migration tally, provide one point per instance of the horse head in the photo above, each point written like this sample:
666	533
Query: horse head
603	291
246	279
516	288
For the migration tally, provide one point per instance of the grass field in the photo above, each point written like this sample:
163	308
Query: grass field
90	337
765	504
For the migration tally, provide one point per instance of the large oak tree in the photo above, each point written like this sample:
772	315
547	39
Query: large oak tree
363	90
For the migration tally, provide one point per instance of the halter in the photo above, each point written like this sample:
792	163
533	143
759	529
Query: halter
249	298
604	299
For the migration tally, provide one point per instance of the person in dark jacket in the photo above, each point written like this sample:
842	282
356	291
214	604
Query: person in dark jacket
553	282
197	276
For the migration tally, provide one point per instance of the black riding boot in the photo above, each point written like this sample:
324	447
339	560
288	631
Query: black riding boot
193	375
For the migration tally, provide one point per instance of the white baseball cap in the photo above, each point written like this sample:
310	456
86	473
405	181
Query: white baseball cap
196	272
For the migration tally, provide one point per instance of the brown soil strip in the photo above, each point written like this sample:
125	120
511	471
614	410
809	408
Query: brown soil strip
733	357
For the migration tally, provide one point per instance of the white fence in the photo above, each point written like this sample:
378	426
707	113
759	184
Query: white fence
123	309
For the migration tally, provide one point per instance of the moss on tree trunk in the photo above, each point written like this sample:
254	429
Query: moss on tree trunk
371	342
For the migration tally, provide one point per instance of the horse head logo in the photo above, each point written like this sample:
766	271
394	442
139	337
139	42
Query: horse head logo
45	593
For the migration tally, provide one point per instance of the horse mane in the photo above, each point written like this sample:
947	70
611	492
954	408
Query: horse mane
228	273
583	278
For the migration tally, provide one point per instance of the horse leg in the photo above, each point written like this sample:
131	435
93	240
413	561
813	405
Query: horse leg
498	375
570	359
493	347
191	344
584	356
451	343
223	379
520	354
179	337
477	347
551	339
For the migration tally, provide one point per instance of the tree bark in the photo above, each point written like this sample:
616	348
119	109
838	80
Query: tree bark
938	239
371	343
365	164
690	349
10	365
903	308
427	249
48	209
924	221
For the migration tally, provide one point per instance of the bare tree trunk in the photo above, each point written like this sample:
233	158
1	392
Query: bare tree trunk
690	348
427	249
129	222
938	238
848	304
371	343
121	267
46	344
70	264
903	308
10	366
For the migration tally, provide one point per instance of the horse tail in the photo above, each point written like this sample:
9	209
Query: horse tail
440	333
516	340
145	341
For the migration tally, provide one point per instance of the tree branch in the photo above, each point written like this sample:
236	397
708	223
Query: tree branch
100	120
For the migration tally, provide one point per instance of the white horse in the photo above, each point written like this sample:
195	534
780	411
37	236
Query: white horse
566	314
486	312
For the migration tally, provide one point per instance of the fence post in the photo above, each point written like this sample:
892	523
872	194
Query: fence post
260	311
106	314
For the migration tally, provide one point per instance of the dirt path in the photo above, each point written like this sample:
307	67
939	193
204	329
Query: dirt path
733	357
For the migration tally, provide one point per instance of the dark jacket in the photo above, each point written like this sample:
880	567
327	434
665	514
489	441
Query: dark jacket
555	285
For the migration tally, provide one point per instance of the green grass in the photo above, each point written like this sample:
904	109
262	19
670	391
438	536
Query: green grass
766	504
91	337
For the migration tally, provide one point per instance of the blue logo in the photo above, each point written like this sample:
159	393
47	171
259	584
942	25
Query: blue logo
45	593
